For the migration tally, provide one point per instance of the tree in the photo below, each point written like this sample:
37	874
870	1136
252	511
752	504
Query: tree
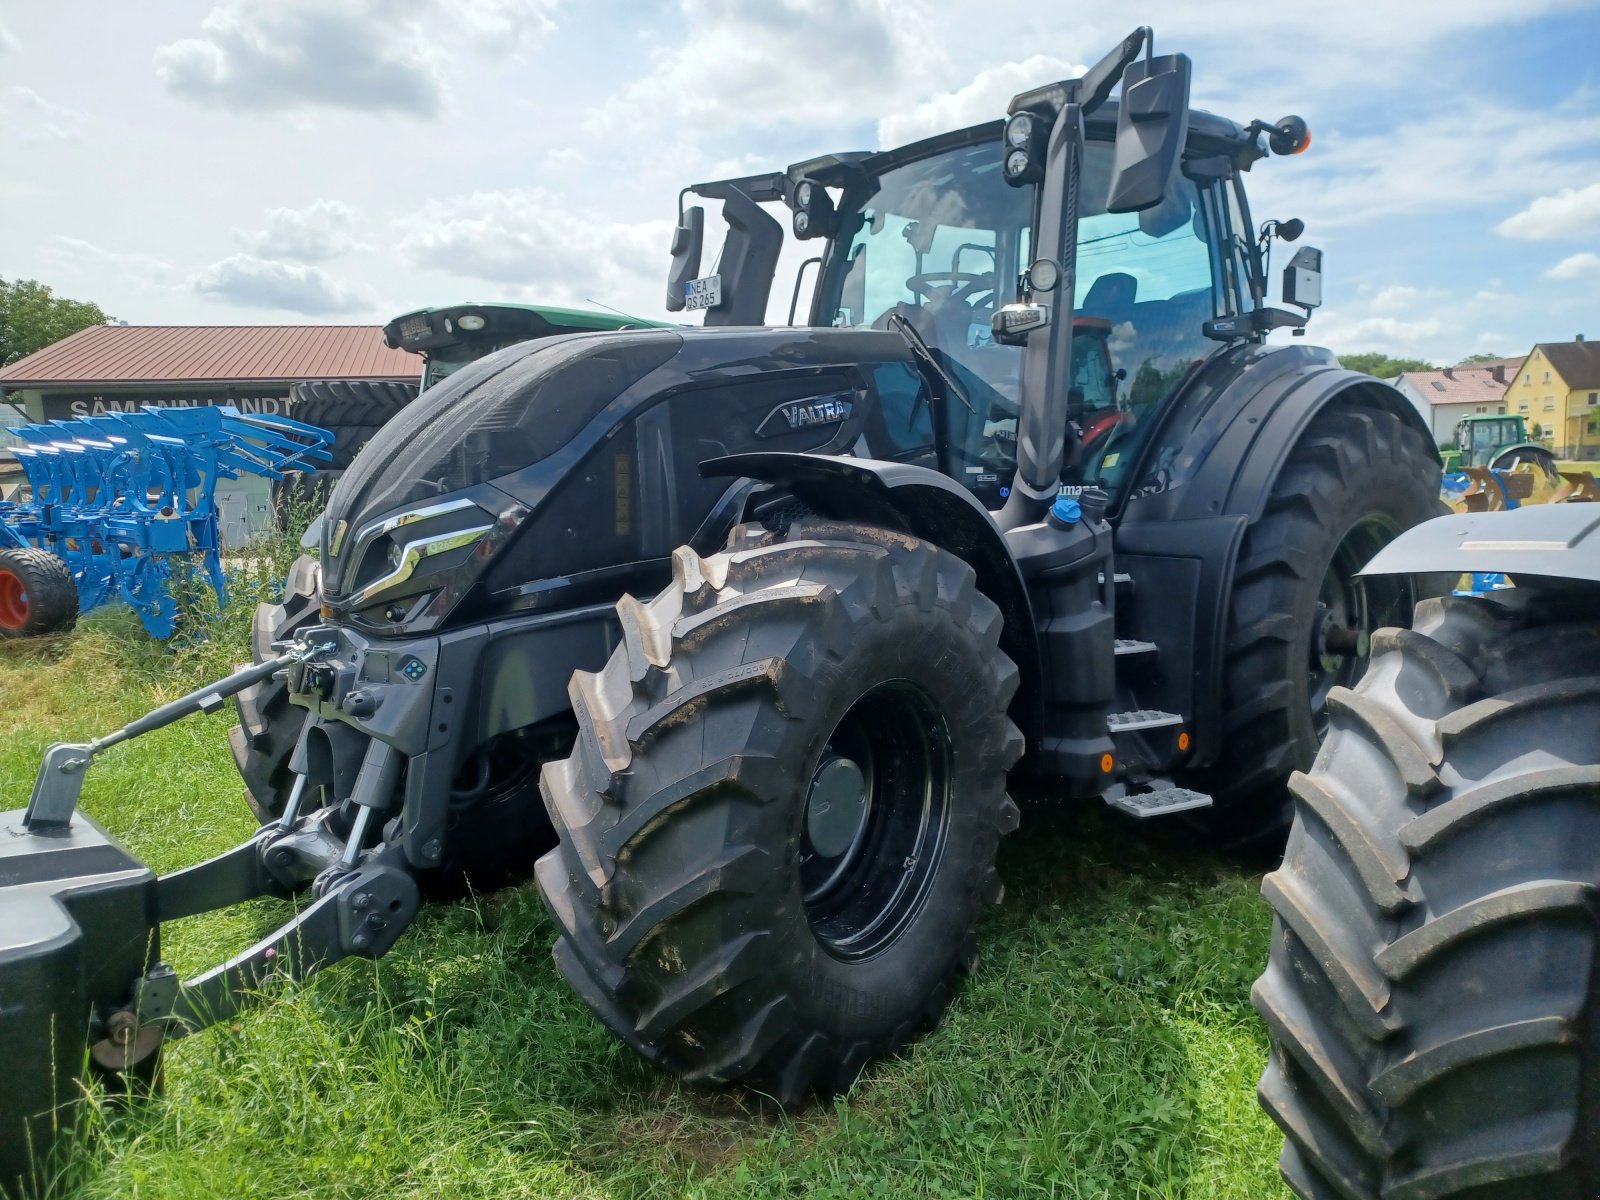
1382	366
33	317
1471	359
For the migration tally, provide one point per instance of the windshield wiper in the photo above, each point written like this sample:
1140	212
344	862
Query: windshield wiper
921	349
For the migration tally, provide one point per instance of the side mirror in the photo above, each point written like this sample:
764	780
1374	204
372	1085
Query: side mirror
1152	123
687	240
1302	279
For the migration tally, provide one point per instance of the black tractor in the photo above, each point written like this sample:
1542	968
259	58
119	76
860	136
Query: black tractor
897	561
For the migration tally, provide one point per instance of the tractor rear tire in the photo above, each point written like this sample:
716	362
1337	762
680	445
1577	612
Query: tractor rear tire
350	409
1432	992
37	595
1357	477
269	726
779	821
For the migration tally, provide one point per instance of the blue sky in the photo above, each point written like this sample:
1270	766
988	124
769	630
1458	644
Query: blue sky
344	160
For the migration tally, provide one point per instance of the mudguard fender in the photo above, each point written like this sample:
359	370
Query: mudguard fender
919	501
1220	448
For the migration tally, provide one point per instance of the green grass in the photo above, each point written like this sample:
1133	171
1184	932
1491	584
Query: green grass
1104	1048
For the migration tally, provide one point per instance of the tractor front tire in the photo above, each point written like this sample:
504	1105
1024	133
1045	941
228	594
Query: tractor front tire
269	726
1357	477
37	595
1432	991
780	818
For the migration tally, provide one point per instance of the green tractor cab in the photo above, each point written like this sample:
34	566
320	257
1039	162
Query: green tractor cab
1498	441
449	338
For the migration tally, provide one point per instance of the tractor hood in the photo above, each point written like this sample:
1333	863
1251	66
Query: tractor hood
576	454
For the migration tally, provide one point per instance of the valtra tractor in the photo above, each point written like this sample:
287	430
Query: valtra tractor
886	577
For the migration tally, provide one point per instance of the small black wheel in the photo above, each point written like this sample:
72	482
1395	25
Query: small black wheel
37	595
780	818
1510	460
1432	993
1299	618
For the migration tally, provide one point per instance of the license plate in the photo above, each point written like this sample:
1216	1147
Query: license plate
705	292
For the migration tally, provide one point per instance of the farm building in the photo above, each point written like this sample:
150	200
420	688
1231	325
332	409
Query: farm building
108	368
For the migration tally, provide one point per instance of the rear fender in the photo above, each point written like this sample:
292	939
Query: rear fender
919	501
1210	470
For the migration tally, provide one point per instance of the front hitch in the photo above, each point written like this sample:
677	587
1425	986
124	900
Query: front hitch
80	919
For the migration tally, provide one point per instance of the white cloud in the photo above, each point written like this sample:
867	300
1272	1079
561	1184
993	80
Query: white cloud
76	252
812	62
252	282
497	27
526	237
29	117
1571	212
1401	299
347	54
366	55
1346	180
8	40
983	99
1575	266
318	232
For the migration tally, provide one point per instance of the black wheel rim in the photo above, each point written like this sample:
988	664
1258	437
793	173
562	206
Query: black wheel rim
1348	609
877	811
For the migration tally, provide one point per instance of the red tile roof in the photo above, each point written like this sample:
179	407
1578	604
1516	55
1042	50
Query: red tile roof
1462	385
108	354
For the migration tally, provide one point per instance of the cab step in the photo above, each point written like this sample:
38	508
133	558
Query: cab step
1125	646
1159	803
1142	718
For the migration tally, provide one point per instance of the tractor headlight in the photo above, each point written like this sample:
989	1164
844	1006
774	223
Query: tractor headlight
471	322
1026	142
814	214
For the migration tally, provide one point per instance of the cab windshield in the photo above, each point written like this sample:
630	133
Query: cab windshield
941	241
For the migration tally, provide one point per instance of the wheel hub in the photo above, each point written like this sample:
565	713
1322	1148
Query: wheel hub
13	601
836	806
876	813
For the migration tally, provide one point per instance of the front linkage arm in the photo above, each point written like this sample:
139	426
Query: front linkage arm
80	918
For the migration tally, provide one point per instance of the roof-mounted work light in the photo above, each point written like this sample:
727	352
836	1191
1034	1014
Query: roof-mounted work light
1027	138
814	214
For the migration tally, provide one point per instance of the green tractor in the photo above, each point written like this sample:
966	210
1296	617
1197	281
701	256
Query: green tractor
450	338
1498	441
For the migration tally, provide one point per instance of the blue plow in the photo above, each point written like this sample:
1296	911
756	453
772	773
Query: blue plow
127	499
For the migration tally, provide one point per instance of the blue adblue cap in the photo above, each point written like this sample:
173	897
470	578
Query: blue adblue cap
1066	510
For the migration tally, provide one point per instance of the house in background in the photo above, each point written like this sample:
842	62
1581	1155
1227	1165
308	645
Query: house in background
1444	397
1558	389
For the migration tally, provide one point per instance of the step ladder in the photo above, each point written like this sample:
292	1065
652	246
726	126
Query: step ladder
1161	802
1141	719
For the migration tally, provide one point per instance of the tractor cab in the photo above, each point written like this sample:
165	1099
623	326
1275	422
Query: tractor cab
1500	441
1108	243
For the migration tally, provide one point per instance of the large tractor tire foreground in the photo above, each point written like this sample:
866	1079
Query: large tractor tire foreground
780	819
1355	479
1431	992
37	595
